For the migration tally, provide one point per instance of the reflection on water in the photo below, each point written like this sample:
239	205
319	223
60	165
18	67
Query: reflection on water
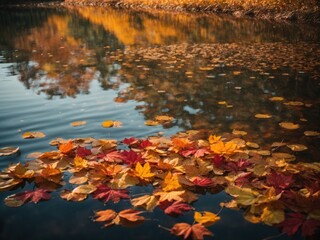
207	72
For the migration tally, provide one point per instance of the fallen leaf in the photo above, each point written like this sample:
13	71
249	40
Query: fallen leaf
196	231
289	125
151	123
66	148
149	202
33	135
263	116
78	123
143	172
312	133
171	183
6	151
19	199
106	194
297	147
206	218
276	99
107	124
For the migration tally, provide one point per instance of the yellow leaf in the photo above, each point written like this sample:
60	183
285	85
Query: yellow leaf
78	123
143	172
171	196
171	183
222	148
294	103
262	116
276	99
252	145
289	125
107	124
272	216
151	123
206	218
238	132
214	139
33	135
297	147
80	163
312	133
149	202
163	118
243	196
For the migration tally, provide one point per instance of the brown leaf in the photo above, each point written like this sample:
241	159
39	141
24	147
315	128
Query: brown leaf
78	123
289	125
196	231
6	151
33	135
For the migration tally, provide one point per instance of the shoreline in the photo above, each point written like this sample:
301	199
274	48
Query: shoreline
311	15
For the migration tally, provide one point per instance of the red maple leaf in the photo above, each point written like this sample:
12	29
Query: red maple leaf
218	161
279	180
131	157
145	143
175	208
295	221
106	194
203	182
239	165
35	196
83	152
130	141
112	156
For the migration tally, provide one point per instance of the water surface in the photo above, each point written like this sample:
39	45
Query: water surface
58	66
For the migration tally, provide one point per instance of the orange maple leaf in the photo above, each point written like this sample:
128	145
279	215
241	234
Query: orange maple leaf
225	149
66	147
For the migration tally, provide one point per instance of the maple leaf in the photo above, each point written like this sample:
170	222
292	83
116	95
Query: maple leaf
106	194
143	172
179	144
223	149
171	196
19	199
214	139
51	174
144	144
203	182
218	160
20	171
297	220
196	231
239	165
148	202
127	217
176	208
171	183
83	152
112	156
206	218
130	141
80	163
279	180
131	157
66	148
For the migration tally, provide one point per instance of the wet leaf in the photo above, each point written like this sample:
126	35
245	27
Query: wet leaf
171	183
252	145
263	116
176	208
297	147
78	123
149	202
107	124
66	147
33	135
151	123
196	231
19	199
312	133
163	118
294	103
6	151
106	194
276	99
206	218
143	172
289	125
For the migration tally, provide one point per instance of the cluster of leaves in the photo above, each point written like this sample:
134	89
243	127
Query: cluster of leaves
270	187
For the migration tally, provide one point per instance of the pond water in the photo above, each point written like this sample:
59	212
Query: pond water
58	66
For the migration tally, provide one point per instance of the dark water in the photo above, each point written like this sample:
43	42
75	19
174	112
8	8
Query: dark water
58	66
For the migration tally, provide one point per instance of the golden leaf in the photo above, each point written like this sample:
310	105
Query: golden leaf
170	196
276	99
271	216
297	147
149	202
252	145
243	196
78	123
171	183
206	218
263	116
143	172
107	124
222	148
312	133
214	139
289	125
33	135
238	132
151	123
163	118
294	103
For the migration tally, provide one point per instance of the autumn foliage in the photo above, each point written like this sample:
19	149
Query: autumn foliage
272	189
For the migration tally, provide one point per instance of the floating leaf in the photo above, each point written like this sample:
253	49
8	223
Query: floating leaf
66	147
285	156
19	199
149	202
206	218
196	231
107	194
263	116
297	147
151	123
312	133
176	208
294	103
6	151
276	99
163	118
33	135
78	123
238	132
143	172
289	125
171	183
107	124
252	145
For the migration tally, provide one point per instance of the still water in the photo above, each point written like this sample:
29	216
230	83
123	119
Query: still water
58	66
